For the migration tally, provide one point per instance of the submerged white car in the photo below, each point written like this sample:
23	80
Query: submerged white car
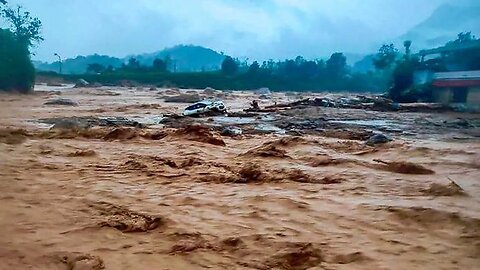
205	106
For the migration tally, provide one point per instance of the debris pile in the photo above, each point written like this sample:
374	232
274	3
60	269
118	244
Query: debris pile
89	121
183	98
61	102
375	103
80	261
124	219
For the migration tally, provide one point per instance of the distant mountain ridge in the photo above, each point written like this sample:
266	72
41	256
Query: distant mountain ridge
444	25
79	64
183	58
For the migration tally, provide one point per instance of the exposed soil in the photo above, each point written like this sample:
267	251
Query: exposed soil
103	191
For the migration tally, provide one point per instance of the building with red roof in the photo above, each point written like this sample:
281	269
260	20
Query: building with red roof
457	87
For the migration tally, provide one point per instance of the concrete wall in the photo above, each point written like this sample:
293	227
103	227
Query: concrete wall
473	96
442	95
445	95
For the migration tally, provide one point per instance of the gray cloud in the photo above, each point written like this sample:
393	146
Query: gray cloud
256	29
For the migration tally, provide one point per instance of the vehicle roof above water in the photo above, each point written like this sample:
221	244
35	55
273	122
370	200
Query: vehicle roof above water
209	101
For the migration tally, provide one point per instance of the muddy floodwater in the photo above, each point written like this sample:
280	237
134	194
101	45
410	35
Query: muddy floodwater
121	182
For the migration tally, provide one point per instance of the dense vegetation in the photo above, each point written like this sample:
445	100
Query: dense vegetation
16	69
296	74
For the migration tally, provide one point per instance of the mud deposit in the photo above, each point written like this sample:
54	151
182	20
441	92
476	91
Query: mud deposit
104	194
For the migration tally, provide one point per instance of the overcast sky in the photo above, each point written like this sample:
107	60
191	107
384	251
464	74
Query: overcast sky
258	29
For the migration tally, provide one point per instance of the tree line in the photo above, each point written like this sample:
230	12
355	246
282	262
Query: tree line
393	74
297	74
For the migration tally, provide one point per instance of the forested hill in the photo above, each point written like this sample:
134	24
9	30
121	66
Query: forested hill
182	58
79	64
185	58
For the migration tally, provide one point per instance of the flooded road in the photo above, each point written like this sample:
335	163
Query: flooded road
162	197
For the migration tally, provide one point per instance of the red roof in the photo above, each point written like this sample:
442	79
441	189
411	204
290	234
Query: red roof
456	83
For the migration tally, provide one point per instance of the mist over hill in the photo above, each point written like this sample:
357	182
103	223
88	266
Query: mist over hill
79	64
185	58
182	58
443	25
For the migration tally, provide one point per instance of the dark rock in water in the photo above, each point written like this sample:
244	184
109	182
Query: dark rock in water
119	121
81	83
62	102
231	131
96	85
459	123
88	121
263	91
209	91
378	139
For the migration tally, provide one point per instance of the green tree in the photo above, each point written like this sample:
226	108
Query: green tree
254	68
337	65
229	66
132	64
25	27
407	44
403	80
159	65
16	68
468	58
385	56
462	38
95	68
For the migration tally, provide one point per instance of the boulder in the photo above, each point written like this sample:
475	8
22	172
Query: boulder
378	138
232	131
81	83
209	91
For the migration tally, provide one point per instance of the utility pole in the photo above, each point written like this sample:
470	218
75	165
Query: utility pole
59	62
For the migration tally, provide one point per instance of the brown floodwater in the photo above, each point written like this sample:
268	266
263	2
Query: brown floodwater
166	198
